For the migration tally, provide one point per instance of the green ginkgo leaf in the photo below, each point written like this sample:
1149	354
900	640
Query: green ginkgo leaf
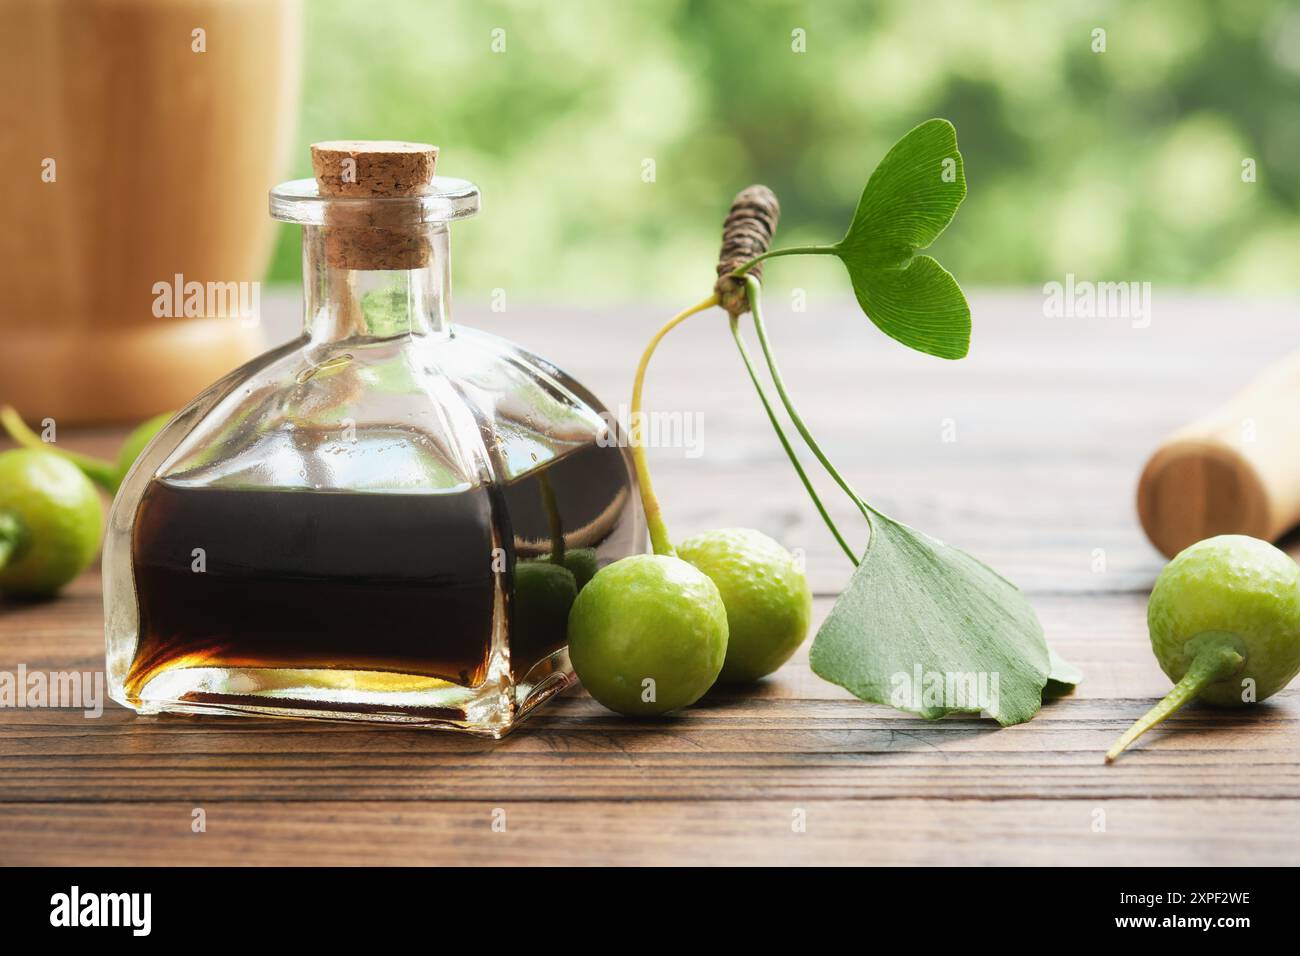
1063	676
920	305
928	629
909	200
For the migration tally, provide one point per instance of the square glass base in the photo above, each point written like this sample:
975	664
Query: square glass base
493	708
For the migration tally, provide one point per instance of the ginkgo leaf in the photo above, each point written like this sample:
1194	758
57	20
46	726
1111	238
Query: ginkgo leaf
926	628
1062	677
908	201
920	305
910	198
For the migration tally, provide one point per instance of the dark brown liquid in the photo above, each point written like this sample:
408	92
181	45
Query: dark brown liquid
396	583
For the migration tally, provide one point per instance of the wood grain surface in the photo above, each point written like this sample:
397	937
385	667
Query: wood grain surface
1052	419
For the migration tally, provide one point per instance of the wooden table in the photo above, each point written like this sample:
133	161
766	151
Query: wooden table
1052	419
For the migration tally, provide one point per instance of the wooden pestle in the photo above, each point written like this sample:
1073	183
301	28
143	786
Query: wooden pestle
1234	471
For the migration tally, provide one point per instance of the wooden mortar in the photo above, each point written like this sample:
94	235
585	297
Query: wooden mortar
163	155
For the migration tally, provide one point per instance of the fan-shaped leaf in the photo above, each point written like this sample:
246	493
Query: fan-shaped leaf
909	200
928	629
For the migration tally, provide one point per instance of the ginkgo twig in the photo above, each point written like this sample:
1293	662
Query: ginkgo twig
785	441
754	289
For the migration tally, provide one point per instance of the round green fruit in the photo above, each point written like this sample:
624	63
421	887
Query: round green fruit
50	522
581	562
648	635
768	601
1238	590
543	595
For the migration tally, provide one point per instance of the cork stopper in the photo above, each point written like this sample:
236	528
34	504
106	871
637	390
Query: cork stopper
378	235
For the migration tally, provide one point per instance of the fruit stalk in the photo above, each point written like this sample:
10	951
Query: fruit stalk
1213	662
553	521
659	538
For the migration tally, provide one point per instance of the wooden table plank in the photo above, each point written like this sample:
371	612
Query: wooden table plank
793	734
1053	421
906	831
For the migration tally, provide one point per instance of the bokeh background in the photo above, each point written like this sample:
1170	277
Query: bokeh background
1122	165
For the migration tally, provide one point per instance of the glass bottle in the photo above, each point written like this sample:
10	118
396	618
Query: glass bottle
385	519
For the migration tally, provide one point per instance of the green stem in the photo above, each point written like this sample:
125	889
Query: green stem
101	472
1217	658
755	290
833	250
11	532
785	442
654	518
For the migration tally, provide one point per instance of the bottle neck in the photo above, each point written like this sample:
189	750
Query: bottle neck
344	303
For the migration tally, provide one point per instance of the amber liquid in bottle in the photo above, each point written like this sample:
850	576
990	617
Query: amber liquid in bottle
375	583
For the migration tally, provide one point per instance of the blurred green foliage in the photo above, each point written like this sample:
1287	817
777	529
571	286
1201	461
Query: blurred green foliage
1124	164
